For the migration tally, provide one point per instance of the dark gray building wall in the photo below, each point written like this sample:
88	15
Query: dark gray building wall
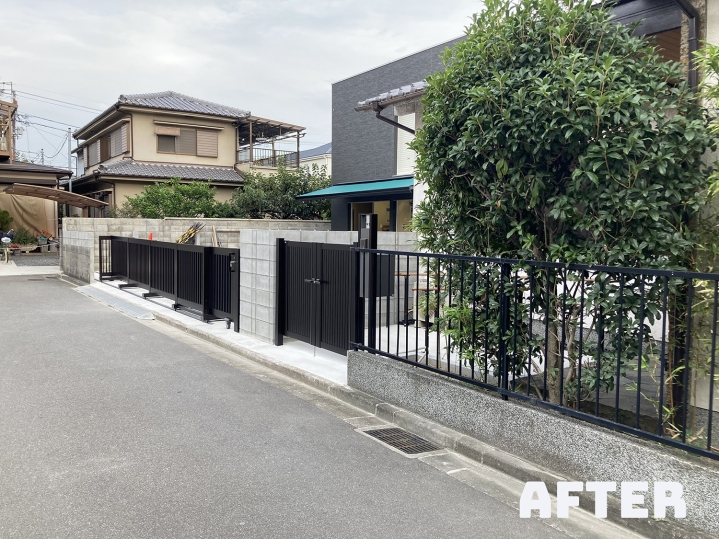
363	148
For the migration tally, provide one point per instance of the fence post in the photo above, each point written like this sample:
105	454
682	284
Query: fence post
100	241
357	299
235	288
280	293
503	325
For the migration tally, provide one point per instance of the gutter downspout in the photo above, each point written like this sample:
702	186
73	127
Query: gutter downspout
693	40
378	113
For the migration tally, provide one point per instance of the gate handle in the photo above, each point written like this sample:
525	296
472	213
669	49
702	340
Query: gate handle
313	280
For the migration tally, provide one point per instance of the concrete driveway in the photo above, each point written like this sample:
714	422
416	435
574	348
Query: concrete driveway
109	428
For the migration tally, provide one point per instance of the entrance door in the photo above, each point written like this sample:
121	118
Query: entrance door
317	305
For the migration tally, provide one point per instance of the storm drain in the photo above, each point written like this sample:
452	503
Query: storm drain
404	441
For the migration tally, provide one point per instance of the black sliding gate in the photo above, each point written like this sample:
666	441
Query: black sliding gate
203	279
315	284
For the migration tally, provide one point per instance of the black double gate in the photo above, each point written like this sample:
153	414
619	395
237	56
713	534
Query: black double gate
203	279
315	285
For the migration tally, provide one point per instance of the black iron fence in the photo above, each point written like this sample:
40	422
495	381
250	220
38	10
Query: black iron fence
630	349
204	280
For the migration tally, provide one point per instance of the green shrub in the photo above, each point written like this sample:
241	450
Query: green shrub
5	220
24	237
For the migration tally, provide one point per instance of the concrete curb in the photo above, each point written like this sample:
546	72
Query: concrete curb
458	442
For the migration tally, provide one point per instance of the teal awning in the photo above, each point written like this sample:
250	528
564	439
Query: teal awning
374	189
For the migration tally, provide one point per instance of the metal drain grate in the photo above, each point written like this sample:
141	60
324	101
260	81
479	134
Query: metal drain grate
404	441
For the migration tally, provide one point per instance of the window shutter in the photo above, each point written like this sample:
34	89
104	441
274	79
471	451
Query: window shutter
405	157
116	143
186	143
167	130
123	138
93	153
207	143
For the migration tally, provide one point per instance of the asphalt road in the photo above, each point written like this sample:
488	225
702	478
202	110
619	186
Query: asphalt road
109	428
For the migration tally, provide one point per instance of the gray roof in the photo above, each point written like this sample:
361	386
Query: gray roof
23	166
172	101
128	167
319	150
398	94
180	102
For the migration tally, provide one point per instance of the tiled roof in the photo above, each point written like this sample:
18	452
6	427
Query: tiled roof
180	102
128	167
171	101
314	152
405	92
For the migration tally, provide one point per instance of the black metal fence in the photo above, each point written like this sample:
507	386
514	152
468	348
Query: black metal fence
202	279
630	349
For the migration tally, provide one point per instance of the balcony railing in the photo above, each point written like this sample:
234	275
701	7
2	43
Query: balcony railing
267	157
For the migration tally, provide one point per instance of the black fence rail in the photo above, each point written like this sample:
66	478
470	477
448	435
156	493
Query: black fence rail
630	349
205	280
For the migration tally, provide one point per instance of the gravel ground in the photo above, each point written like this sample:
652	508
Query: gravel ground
39	259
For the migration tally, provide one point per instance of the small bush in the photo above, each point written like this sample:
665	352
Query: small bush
24	237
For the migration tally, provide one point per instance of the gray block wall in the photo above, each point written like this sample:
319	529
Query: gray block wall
77	255
258	270
228	230
256	239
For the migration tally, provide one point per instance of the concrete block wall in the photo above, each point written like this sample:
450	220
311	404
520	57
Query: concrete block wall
258	271
77	255
228	230
256	239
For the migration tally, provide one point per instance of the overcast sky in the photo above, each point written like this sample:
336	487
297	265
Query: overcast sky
276	58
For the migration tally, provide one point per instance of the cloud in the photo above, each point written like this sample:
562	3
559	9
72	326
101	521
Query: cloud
276	58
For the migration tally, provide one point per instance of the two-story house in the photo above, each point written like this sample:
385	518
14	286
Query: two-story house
147	138
374	167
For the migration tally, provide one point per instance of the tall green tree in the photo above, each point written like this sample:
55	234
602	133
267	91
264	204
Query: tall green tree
553	134
274	196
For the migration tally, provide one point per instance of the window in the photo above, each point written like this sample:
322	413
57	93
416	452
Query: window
406	157
166	143
93	153
183	141
118	141
186	143
207	143
105	148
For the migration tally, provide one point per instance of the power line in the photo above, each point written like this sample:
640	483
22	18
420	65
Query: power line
58	105
48	132
47	119
48	126
50	143
59	93
58	100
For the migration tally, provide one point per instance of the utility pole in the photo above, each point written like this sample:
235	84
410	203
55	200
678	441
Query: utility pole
69	156
42	156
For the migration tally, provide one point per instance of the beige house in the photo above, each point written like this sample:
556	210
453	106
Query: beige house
147	138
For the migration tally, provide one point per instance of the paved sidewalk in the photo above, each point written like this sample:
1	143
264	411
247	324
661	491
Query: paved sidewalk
13	270
295	354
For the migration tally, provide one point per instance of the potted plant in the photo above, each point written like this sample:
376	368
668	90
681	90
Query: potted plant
25	241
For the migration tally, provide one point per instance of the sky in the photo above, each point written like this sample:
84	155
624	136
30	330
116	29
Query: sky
276	58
